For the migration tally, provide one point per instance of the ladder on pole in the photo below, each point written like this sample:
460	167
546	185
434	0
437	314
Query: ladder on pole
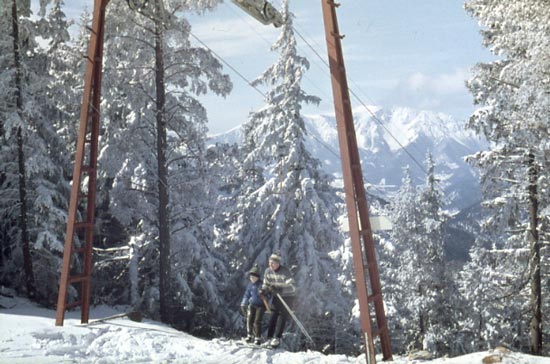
364	255
80	231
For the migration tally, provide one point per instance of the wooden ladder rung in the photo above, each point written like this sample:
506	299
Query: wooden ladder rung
73	305
375	332
83	225
79	250
87	169
374	297
78	278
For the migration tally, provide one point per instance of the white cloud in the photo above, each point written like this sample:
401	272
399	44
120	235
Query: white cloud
442	84
417	81
445	92
235	37
453	82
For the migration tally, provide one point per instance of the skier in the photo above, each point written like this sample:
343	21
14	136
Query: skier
278	280
252	307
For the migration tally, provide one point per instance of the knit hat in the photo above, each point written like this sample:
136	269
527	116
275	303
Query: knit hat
276	257
254	271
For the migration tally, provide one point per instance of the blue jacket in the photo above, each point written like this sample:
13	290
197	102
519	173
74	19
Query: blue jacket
252	294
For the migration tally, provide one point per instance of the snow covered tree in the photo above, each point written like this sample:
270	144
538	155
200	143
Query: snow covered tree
423	311
286	203
67	68
489	286
439	286
32	155
154	151
405	237
513	96
14	134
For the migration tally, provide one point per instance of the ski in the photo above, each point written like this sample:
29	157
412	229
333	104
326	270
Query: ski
251	345
244	344
133	316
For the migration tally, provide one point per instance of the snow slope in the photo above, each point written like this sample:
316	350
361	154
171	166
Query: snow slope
28	335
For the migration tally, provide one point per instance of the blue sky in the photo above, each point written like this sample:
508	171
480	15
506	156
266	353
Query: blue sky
397	53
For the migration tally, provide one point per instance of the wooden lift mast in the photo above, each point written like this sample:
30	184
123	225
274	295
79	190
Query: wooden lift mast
83	188
85	174
364	255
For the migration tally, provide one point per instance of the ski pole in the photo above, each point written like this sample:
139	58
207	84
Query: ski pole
266	304
133	316
298	323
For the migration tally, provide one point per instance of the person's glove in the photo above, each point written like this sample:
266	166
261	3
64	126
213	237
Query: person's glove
243	310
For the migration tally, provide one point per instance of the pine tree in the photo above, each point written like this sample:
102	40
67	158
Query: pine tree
422	284
67	67
403	237
32	151
512	94
490	283
286	203
441	317
155	157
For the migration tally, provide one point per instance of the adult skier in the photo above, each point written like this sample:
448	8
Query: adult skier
278	281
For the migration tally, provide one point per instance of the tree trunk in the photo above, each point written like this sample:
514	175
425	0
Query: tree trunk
480	338
421	322
164	229
535	279
27	259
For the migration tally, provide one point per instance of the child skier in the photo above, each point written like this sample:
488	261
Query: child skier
252	306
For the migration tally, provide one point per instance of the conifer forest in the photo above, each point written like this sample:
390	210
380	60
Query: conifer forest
181	218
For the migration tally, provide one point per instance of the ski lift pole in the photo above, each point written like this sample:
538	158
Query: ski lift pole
84	180
367	277
298	323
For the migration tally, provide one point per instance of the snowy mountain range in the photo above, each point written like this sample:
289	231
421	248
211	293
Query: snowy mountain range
391	140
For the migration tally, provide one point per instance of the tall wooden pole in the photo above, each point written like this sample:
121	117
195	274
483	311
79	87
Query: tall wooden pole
83	190
364	257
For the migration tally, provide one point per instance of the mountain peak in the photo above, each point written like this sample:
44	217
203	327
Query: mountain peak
390	140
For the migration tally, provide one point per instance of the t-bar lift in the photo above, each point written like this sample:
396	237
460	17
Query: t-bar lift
83	190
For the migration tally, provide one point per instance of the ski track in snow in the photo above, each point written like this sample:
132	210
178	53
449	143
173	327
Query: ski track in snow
28	335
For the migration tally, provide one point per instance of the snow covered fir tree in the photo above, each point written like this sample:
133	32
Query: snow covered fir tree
33	157
513	115
285	203
182	217
157	191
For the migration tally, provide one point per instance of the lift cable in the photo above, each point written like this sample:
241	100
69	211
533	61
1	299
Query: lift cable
301	31
352	92
366	107
228	64
308	79
325	145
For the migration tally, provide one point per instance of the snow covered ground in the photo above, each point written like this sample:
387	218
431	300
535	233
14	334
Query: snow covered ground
28	335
